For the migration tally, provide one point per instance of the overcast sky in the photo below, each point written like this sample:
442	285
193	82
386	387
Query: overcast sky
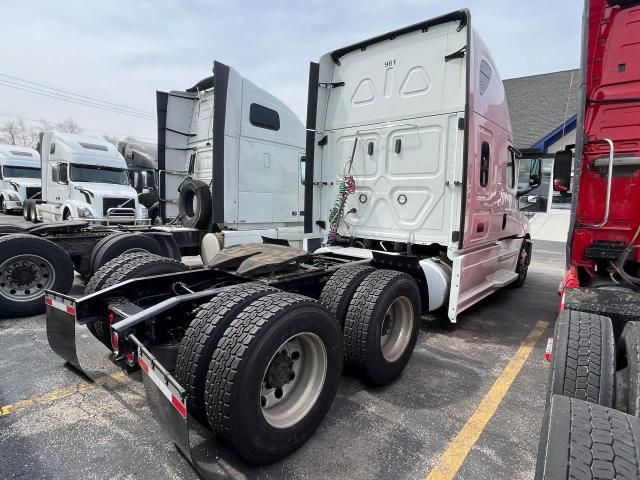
123	51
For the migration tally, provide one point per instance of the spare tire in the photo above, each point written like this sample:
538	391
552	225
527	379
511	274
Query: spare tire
194	204
26	210
121	243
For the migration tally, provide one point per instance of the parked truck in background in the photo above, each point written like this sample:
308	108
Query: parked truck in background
85	178
224	182
142	165
591	429
20	176
411	193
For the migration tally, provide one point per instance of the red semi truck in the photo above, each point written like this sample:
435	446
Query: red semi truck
591	429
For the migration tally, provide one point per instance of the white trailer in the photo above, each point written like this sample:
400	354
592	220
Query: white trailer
20	176
410	179
85	178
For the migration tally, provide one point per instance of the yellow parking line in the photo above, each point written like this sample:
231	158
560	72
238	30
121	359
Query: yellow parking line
58	394
453	457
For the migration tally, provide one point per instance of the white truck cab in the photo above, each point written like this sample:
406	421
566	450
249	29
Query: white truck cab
409	150
243	145
20	176
86	178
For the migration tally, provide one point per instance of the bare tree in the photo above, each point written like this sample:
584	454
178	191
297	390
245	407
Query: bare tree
112	139
9	132
68	125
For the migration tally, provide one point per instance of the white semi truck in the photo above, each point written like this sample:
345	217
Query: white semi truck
20	176
410	179
85	178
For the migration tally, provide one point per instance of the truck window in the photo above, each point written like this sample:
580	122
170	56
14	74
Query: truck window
264	117
21	172
511	171
485	76
97	174
484	164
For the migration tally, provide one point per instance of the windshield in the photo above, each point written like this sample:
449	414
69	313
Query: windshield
97	174
21	172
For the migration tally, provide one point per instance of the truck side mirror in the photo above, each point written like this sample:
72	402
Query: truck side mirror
303	164
535	173
562	170
63	173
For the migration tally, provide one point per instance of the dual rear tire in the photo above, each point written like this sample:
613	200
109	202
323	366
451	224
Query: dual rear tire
261	367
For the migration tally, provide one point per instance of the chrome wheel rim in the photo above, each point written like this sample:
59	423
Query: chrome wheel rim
293	380
24	278
396	329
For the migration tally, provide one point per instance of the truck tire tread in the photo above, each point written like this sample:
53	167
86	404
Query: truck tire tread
581	440
583	358
202	337
340	288
117	270
629	346
361	340
249	332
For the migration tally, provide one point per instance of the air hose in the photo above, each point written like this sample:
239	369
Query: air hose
624	257
346	187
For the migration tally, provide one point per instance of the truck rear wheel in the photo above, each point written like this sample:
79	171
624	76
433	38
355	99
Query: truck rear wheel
273	376
29	265
381	326
583	358
338	291
628	364
121	244
587	441
522	267
202	337
123	268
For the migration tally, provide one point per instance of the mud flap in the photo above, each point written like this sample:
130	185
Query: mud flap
167	400
72	341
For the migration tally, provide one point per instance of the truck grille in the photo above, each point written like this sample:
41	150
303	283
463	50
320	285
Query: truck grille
33	192
108	203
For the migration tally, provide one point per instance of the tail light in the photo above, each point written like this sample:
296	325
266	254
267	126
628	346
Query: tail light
114	342
131	358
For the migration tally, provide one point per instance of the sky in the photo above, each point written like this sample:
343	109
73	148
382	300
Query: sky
122	51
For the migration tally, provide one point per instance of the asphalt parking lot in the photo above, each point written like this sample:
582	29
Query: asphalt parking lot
468	406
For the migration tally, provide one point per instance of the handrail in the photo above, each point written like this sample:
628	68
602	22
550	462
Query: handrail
608	201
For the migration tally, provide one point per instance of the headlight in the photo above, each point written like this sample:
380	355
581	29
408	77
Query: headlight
13	197
144	213
84	212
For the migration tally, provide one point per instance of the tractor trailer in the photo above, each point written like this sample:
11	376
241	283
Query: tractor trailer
224	182
411	194
591	428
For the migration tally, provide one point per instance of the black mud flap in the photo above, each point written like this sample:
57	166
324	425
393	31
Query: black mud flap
167	400
72	341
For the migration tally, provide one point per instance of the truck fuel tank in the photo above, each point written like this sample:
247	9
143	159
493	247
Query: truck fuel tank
438	275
